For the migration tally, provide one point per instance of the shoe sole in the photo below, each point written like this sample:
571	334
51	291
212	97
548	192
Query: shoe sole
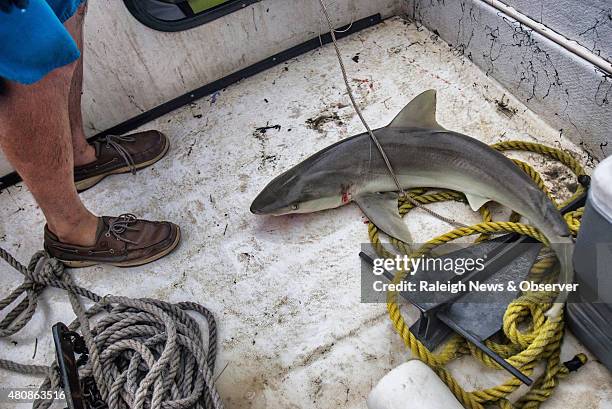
83	185
125	264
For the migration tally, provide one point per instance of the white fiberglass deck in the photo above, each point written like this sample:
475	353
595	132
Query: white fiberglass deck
286	291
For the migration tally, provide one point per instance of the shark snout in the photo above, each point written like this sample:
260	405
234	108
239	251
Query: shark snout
264	203
255	209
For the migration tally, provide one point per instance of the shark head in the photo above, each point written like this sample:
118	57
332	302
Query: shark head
301	189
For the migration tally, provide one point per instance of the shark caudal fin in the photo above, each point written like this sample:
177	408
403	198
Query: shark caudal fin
420	113
381	209
564	249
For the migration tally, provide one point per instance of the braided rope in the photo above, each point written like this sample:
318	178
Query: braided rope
143	353
531	337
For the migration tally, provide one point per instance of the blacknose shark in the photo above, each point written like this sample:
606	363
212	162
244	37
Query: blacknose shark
423	154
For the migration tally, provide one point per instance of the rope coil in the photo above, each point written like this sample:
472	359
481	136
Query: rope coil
143	353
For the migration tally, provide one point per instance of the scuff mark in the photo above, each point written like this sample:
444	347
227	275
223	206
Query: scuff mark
260	134
190	150
461	44
318	121
602	145
330	114
603	89
591	161
534	60
592	35
504	107
263	129
214	96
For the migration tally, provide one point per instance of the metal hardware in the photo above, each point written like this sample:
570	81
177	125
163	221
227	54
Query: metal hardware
81	393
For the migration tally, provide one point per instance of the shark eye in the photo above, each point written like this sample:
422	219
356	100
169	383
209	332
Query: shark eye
295	206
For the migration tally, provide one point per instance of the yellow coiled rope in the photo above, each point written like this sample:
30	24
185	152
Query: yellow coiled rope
531	337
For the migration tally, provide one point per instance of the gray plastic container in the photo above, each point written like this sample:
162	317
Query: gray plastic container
589	311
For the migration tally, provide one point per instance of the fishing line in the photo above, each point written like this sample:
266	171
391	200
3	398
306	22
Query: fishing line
403	193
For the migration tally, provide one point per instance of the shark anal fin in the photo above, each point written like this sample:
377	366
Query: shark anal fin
475	201
381	209
420	113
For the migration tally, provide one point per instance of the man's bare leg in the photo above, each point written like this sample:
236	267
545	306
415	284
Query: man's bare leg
145	148
83	152
35	136
37	139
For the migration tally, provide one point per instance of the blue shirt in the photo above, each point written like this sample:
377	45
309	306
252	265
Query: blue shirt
34	41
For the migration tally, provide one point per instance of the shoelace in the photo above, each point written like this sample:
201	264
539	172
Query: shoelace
115	142
118	226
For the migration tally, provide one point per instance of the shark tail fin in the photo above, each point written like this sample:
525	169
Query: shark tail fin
420	113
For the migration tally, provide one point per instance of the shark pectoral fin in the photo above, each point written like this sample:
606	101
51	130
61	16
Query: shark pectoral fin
475	201
381	209
420	113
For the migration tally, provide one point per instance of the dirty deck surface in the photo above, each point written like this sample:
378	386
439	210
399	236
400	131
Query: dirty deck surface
286	290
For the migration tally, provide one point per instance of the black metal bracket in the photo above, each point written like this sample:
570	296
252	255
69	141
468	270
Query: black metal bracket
475	320
81	393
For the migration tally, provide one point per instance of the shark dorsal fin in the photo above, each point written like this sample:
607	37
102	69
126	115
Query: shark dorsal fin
420	112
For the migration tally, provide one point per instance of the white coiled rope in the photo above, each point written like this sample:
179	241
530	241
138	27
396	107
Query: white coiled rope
143	353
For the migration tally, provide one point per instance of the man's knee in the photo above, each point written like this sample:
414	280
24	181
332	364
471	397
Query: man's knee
74	24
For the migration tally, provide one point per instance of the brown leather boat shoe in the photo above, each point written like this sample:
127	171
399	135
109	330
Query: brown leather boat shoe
123	241
121	154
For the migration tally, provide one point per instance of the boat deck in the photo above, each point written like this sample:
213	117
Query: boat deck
286	290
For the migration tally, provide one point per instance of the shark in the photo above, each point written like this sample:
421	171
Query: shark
423	154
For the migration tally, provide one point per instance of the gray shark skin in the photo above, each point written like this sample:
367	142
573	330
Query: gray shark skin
423	154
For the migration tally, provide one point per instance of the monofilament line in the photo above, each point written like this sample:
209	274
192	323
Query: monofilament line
349	90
